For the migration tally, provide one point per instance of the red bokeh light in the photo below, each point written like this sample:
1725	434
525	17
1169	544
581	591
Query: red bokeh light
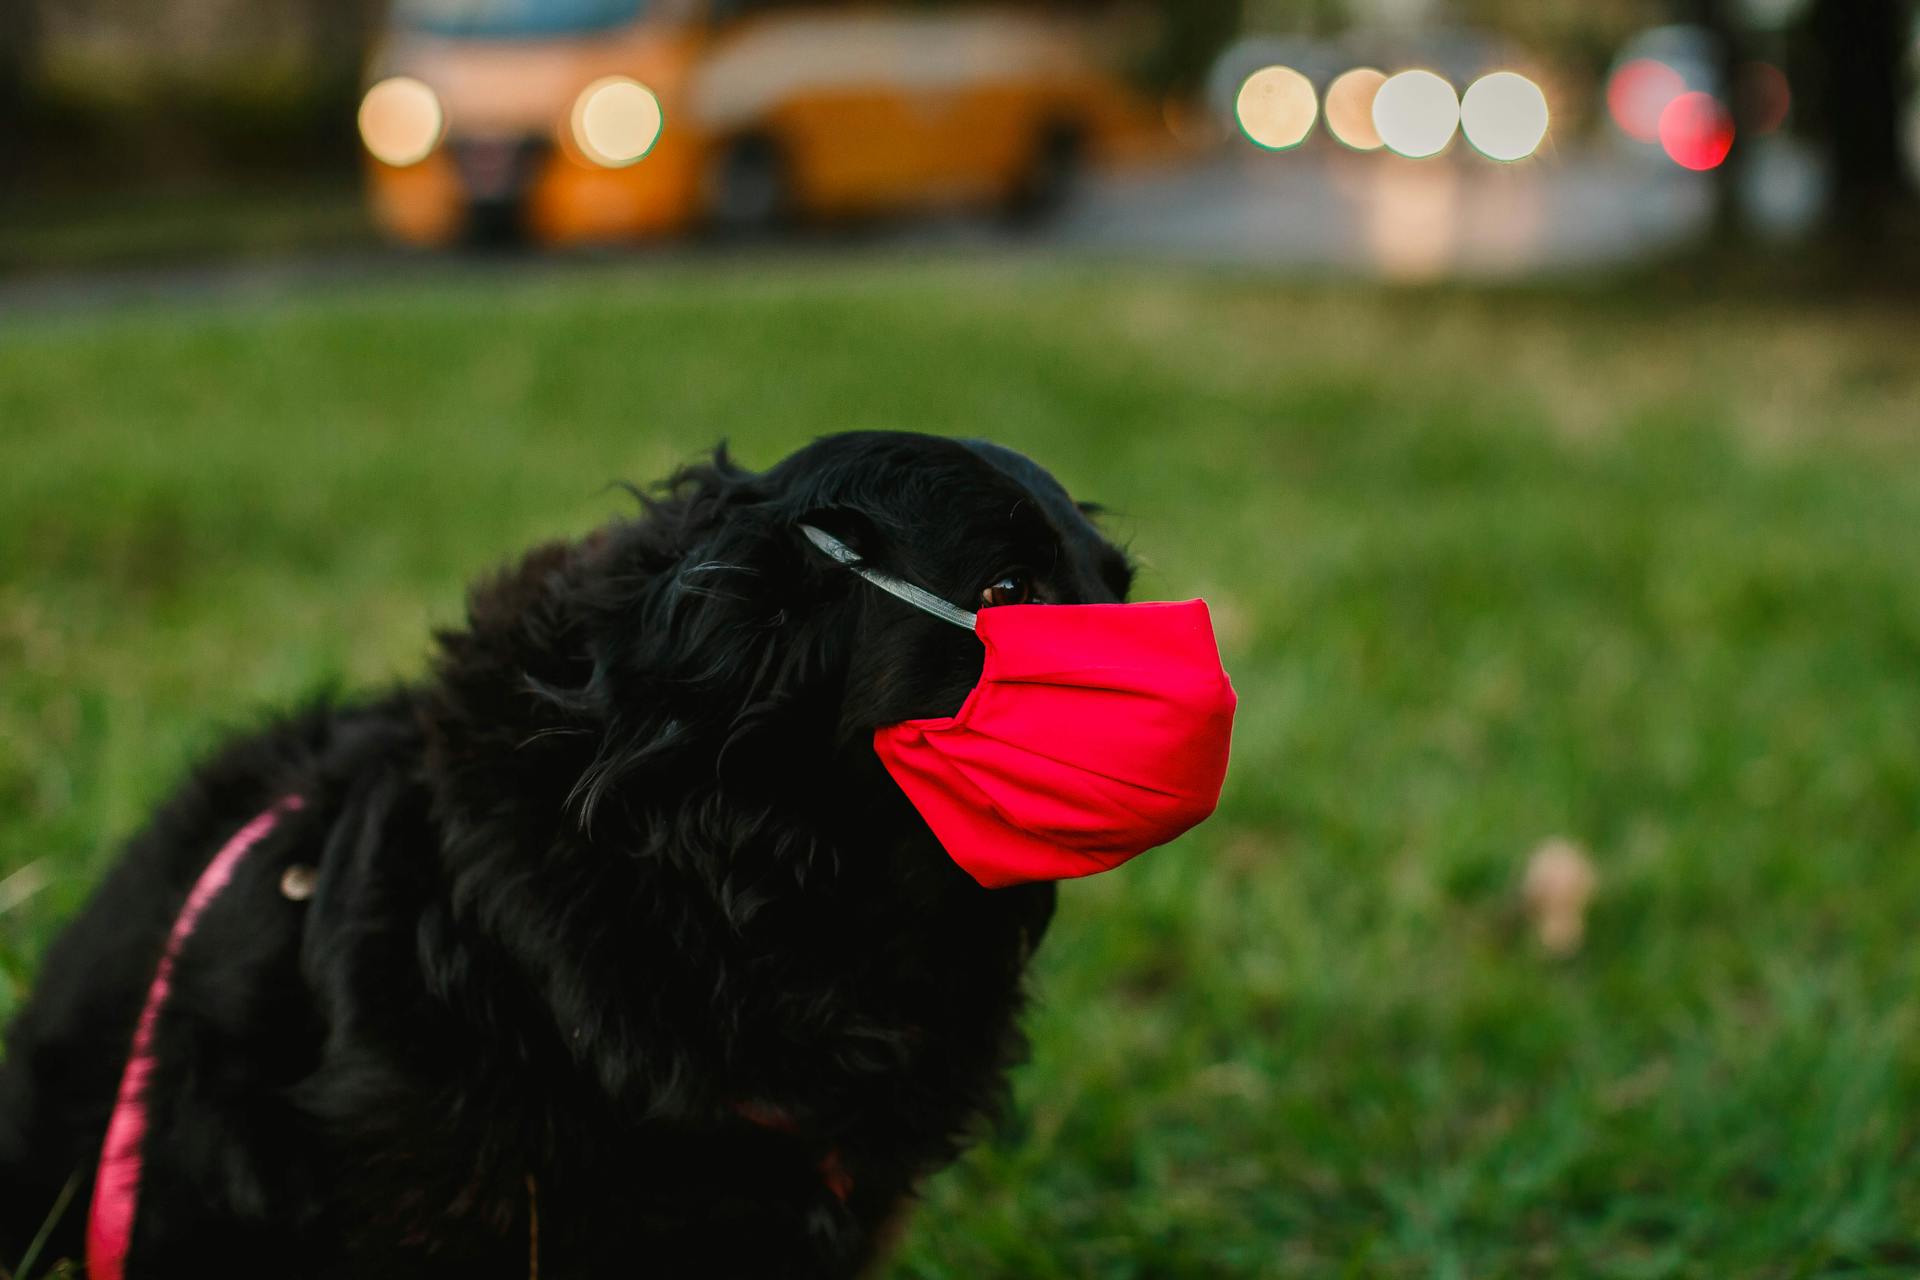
1640	91
1765	96
1696	131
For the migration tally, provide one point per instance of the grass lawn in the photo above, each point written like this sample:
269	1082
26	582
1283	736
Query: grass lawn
1489	569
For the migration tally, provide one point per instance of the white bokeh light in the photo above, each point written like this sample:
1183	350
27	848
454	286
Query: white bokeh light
1416	114
401	121
1504	116
616	121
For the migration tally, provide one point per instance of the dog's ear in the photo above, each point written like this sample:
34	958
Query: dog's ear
718	636
690	503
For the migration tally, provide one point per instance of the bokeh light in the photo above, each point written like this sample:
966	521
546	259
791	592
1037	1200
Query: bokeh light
1637	95
1190	125
1415	219
1276	108
1350	108
1696	132
616	121
1504	116
1416	114
401	121
1765	97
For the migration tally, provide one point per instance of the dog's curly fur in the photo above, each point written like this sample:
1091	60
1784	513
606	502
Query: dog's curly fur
618	920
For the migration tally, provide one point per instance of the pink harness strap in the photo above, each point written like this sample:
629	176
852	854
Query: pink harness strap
116	1185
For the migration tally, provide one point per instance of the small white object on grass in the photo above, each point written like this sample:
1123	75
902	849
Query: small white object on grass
297	882
1560	885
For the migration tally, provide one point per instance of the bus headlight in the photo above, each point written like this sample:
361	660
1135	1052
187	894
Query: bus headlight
616	121
401	121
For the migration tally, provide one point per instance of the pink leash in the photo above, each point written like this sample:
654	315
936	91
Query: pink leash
116	1186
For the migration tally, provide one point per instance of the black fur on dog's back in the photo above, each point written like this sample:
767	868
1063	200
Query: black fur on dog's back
618	919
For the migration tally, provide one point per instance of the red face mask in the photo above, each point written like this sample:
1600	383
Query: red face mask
1097	732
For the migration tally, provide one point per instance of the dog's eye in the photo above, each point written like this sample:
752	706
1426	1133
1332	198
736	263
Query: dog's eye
1010	589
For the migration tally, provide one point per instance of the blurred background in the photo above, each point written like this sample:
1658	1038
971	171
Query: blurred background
1533	390
1245	131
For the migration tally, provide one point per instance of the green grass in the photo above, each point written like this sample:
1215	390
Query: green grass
1489	568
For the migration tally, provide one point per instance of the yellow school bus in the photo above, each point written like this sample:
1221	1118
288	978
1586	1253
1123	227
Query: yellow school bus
568	121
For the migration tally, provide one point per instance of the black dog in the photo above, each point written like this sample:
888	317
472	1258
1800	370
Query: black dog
623	955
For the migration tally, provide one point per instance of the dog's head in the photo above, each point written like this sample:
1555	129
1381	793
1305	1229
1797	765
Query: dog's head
742	634
708	653
693	694
975	523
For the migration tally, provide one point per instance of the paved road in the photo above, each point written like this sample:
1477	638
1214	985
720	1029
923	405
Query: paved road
1328	212
1458	216
1379	216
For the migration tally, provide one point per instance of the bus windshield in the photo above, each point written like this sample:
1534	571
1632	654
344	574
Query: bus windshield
505	18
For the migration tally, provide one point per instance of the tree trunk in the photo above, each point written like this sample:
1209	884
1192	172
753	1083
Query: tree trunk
1193	32
1718	19
342	32
19	63
1860	48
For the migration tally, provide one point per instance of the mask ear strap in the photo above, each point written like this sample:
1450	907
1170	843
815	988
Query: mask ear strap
899	588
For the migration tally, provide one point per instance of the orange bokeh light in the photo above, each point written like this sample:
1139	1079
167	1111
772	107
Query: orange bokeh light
1349	108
